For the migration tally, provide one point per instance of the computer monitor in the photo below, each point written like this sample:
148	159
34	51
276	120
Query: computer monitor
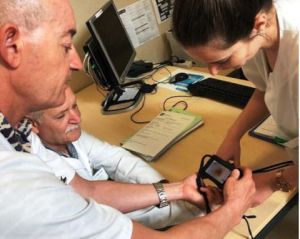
112	54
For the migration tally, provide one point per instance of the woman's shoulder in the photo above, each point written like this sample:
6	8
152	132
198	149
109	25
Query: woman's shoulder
288	14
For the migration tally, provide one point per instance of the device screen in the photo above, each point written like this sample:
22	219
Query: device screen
218	171
115	41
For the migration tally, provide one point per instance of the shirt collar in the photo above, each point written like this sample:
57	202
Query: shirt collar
72	152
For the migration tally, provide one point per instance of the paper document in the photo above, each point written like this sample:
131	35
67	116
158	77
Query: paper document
139	21
162	132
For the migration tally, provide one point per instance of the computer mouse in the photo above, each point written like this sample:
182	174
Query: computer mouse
180	77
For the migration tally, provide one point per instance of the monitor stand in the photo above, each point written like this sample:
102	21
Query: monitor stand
122	99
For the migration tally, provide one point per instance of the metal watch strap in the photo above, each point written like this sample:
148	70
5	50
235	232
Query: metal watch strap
281	183
163	201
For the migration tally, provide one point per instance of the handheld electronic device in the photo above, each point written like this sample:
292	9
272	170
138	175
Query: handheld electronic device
216	169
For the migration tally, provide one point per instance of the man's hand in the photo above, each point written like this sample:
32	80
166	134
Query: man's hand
191	193
239	192
214	196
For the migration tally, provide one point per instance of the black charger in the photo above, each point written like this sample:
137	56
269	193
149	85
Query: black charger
139	67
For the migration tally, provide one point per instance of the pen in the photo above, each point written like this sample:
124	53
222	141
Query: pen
279	140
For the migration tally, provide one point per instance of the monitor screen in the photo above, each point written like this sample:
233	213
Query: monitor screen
112	43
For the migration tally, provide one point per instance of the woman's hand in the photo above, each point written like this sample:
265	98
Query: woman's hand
230	150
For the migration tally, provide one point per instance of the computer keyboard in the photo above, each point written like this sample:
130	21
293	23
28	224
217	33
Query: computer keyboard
223	91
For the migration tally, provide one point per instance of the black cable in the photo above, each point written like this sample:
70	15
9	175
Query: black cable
179	102
155	70
273	167
200	183
177	59
164	106
135	113
150	75
164	81
160	65
245	217
144	97
176	96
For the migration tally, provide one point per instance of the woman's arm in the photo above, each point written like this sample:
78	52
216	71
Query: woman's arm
254	112
266	183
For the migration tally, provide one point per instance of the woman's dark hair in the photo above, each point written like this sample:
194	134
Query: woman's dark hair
198	22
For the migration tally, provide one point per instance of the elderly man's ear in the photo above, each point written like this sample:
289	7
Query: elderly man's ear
10	45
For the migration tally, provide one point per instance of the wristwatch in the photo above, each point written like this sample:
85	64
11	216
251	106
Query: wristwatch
281	183
163	201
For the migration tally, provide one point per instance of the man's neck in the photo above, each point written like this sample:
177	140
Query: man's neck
62	149
13	108
13	117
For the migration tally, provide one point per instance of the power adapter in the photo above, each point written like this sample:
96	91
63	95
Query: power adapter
183	64
146	88
139	67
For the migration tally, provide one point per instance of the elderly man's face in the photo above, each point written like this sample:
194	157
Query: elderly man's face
61	125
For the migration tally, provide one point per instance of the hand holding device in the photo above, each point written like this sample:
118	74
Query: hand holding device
216	169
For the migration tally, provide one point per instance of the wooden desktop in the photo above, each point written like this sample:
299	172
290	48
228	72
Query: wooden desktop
184	157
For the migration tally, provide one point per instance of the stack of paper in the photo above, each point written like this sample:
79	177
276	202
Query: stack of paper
161	133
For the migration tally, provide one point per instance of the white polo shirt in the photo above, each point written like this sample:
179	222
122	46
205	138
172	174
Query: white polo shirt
98	160
35	204
281	85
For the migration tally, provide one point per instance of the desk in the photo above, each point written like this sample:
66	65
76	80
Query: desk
183	159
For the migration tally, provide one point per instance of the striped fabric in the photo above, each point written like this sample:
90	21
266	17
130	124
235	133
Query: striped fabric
18	137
